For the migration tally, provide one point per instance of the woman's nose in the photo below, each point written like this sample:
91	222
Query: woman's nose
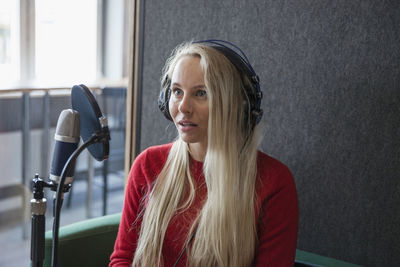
185	106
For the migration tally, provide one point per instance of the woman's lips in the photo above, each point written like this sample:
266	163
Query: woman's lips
185	125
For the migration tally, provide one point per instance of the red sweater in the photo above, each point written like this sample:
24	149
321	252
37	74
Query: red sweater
277	215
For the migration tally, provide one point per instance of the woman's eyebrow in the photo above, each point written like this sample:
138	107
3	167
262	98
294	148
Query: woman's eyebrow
200	86
176	84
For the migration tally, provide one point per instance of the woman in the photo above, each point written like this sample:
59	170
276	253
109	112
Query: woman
209	198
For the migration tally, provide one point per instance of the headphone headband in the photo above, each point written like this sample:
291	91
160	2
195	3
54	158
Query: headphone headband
222	43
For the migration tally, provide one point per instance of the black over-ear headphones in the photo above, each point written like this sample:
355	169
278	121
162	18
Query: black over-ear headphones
242	64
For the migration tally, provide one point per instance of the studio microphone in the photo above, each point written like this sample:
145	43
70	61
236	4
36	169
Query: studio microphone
67	138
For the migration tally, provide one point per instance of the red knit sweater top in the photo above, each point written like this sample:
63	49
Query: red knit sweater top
277	213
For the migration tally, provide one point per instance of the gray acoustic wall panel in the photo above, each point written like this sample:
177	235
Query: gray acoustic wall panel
330	74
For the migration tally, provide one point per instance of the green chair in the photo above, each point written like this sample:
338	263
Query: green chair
308	259
90	243
85	243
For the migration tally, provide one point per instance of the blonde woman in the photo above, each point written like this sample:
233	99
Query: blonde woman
210	198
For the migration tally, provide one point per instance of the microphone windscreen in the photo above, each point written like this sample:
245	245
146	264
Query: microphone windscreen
84	102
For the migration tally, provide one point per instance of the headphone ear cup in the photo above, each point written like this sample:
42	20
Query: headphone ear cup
163	99
255	97
252	112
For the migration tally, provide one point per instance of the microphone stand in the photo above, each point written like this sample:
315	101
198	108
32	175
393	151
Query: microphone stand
38	204
38	210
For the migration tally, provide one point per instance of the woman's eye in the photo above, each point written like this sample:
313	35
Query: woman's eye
202	93
176	91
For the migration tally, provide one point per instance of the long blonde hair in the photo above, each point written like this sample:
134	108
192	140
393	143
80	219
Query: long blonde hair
226	226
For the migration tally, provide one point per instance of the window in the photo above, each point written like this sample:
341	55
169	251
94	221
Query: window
56	44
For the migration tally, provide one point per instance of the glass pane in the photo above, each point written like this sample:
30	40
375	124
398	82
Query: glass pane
9	44
66	40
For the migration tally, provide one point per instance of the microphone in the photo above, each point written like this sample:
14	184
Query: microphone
66	142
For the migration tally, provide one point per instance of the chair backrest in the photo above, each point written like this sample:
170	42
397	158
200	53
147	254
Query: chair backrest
87	243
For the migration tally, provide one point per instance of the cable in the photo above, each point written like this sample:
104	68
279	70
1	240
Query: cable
184	249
